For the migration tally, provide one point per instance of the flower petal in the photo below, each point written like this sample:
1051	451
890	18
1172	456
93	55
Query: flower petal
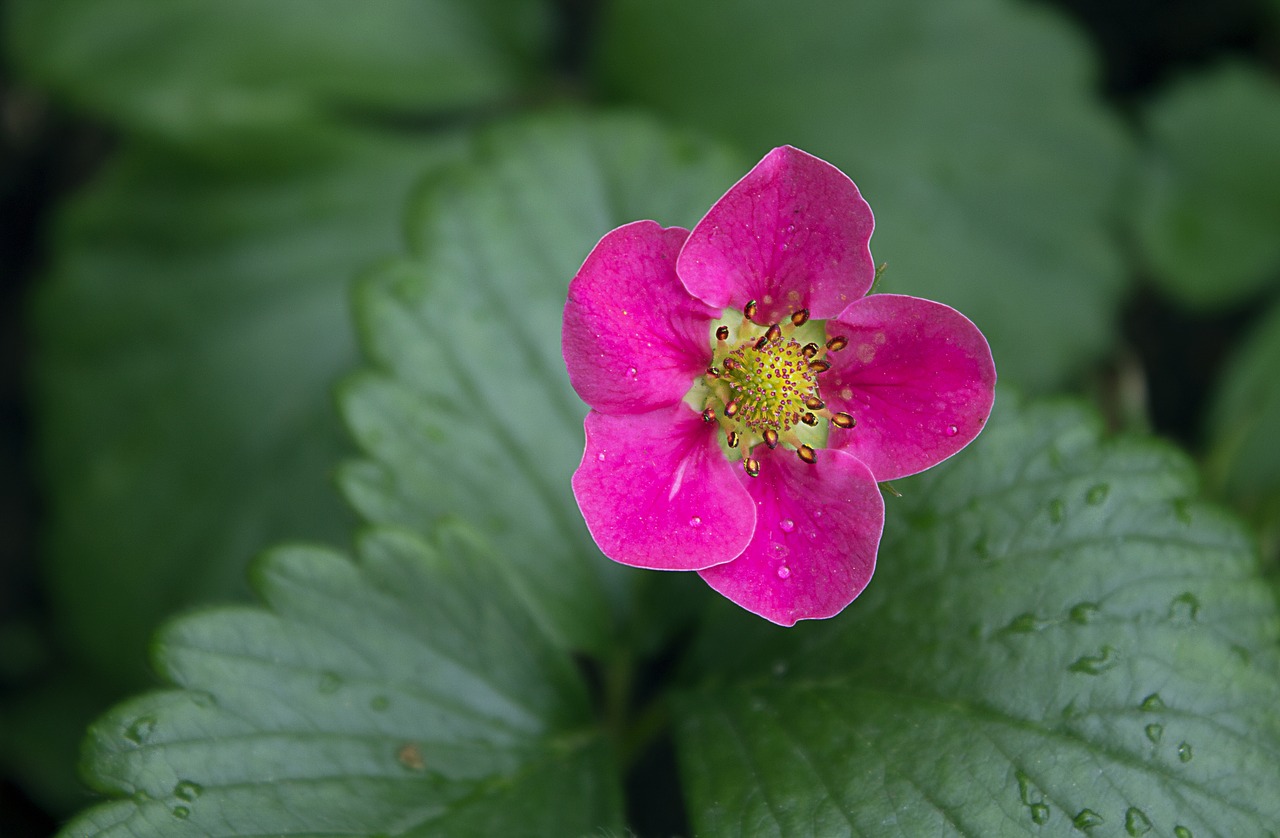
793	233
917	376
657	492
814	549
633	338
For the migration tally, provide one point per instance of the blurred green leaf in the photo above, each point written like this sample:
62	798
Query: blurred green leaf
184	68
971	128
470	412
1243	424
1208	210
408	694
1058	636
189	332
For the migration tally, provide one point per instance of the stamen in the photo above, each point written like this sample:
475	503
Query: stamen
709	415
800	317
774	333
809	350
749	311
731	364
722	333
843	420
712	372
733	439
807	454
814	403
771	438
837	343
819	366
809	419
751	466
731	408
763	341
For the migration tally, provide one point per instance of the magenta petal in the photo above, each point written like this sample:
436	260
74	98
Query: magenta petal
633	338
814	549
917	376
793	233
657	492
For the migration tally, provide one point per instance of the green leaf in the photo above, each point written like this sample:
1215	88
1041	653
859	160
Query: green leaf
1243	422
469	412
408	694
1057	637
193	323
970	127
1209	204
183	67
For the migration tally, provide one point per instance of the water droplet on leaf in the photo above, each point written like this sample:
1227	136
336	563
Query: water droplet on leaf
379	703
1154	732
1107	658
1152	703
1056	509
1184	607
1182	832
1084	613
1039	813
1097	494
1024	624
187	790
1087	819
1136	822
329	683
181	812
1184	752
141	729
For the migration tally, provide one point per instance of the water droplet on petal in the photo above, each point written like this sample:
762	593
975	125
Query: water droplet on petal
952	430
784	572
632	372
600	456
695	521
786	525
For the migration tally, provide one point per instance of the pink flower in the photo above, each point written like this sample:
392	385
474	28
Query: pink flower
746	396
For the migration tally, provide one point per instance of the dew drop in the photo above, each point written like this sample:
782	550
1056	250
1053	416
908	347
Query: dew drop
1056	509
329	683
1184	607
1024	624
695	522
379	703
1097	494
1087	819
141	729
632	372
187	790
952	430
181	812
784	572
786	525
600	456
1152	703
1184	752
1039	813
1096	664
1084	613
1136	822
1182	832
1154	732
